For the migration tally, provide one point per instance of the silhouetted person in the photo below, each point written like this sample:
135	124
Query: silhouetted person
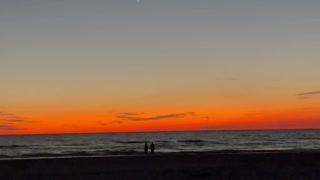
146	147
152	147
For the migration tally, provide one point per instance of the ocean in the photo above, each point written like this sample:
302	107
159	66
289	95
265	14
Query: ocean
84	145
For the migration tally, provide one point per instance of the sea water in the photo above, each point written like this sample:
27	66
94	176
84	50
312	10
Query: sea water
44	146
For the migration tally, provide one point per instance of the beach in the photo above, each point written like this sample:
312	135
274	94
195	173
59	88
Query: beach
248	165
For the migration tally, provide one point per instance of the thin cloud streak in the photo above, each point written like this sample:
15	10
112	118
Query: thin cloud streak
155	118
6	123
116	122
113	122
10	122
10	128
6	114
309	93
130	114
7	128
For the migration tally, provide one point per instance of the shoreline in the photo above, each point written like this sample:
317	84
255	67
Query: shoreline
275	165
68	156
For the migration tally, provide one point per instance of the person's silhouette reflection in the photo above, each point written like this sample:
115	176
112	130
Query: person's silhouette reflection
146	147
152	147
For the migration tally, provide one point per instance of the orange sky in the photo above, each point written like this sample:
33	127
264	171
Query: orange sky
123	66
45	120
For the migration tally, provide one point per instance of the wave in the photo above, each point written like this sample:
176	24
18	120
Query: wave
120	152
132	152
131	142
309	139
5	156
191	141
78	154
163	141
33	155
13	146
37	155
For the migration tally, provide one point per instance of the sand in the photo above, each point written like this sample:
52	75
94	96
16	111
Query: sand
278	165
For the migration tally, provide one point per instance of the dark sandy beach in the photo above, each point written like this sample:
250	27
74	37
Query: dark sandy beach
277	165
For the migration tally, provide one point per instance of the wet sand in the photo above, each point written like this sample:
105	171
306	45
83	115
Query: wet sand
277	165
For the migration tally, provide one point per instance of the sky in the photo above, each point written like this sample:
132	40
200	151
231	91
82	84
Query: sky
79	66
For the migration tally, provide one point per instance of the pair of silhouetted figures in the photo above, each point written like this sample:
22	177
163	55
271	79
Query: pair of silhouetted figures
146	148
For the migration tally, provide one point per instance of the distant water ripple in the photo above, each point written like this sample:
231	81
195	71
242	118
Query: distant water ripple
171	142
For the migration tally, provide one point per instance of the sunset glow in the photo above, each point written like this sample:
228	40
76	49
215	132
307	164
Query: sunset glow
158	65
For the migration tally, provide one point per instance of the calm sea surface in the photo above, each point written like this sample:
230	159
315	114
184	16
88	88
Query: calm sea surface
173	142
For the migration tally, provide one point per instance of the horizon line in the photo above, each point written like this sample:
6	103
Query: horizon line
182	131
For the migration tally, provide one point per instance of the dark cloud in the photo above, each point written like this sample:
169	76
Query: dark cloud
130	114
309	93
6	123
7	127
155	118
10	122
207	118
116	122
13	120
10	128
113	122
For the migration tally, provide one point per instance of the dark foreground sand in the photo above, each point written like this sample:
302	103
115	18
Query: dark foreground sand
285	165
